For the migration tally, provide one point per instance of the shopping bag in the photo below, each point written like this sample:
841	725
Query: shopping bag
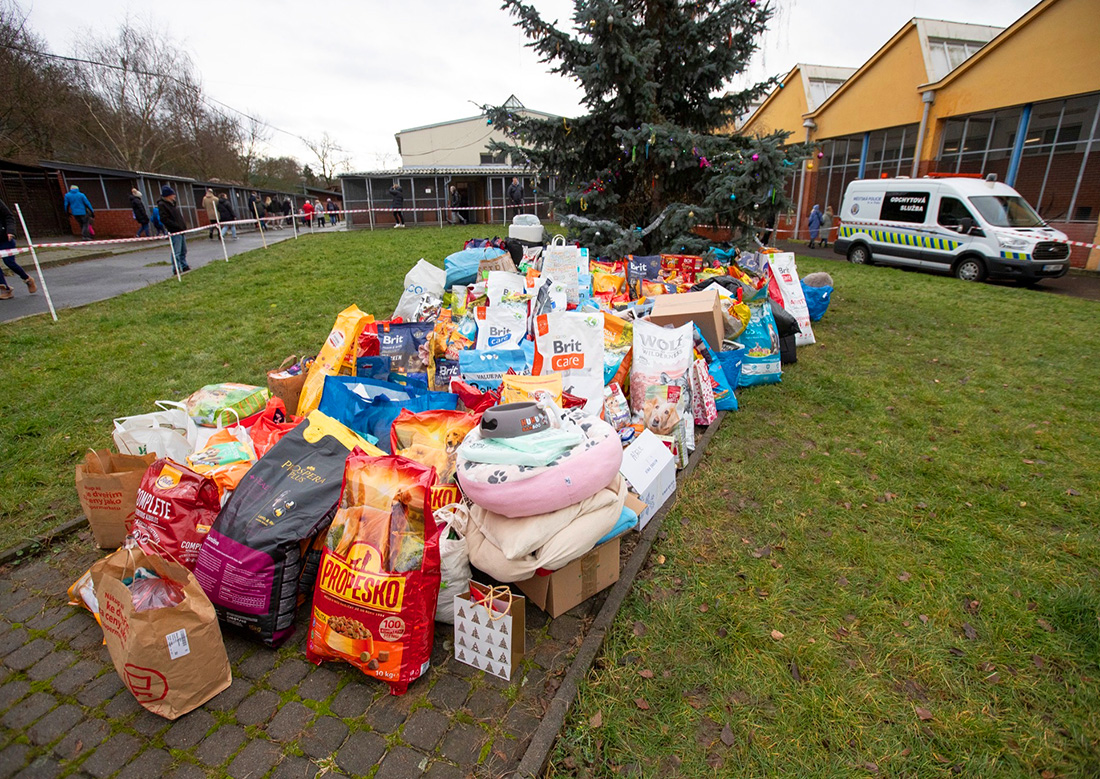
286	381
424	278
169	432
562	264
490	629
454	558
107	485
172	659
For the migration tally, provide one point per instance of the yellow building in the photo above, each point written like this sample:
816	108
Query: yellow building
945	97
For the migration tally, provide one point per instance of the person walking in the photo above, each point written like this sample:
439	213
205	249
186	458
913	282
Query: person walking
288	211
397	202
826	226
80	208
172	218
331	208
814	223
154	218
137	205
456	201
319	212
7	218
210	203
515	197
226	215
307	209
255	209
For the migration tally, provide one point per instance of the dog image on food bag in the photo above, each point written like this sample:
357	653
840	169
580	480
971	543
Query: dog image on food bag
660	413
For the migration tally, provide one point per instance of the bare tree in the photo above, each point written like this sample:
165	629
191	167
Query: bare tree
132	96
331	159
253	135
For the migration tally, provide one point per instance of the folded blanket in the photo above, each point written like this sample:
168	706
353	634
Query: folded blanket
627	519
572	541
540	448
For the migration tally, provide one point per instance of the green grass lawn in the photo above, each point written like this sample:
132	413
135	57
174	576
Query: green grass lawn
913	511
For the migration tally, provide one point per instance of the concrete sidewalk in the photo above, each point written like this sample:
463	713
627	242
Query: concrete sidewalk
84	281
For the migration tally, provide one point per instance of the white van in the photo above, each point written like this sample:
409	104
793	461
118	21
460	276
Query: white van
970	227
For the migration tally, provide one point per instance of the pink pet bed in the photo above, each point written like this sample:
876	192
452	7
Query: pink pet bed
523	490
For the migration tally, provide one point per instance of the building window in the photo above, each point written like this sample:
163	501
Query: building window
949	54
1059	172
488	158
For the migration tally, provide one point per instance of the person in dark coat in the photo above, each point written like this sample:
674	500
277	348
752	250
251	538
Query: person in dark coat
256	208
397	202
814	222
226	215
288	209
456	203
141	216
7	241
331	208
515	197
172	219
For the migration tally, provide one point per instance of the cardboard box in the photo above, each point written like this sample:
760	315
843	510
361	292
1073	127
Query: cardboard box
575	583
702	308
650	469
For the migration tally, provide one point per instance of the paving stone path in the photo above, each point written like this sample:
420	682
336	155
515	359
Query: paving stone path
64	711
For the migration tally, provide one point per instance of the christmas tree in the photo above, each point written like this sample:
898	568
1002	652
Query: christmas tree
650	160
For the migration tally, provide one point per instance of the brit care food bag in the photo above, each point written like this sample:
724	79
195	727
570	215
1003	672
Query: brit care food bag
251	561
572	343
172	659
107	486
784	275
375	596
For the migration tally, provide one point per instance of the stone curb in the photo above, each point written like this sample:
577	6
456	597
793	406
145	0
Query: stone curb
542	743
41	543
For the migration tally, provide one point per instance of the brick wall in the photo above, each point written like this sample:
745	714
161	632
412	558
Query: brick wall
110	223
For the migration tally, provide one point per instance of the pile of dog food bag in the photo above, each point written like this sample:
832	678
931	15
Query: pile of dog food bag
480	426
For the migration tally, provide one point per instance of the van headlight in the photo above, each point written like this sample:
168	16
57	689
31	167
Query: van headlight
1010	242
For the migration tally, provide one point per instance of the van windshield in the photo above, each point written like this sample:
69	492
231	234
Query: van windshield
1006	211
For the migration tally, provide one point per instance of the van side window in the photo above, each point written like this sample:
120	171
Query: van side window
952	211
904	207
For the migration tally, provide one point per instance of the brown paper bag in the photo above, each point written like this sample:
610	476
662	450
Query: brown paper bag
107	485
288	387
491	640
172	659
502	261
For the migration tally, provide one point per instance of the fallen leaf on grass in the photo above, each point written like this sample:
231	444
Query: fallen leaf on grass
903	576
969	630
973	606
641	704
639	628
704	608
842	582
1047	774
763	551
795	674
924	714
727	736
722	632
660	559
645	674
1072	491
1045	625
993	678
956	651
1038	661
777	635
595	720
923	619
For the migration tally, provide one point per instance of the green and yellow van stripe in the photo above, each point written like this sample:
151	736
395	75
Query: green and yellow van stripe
902	239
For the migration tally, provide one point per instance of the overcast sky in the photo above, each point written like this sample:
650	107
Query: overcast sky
362	70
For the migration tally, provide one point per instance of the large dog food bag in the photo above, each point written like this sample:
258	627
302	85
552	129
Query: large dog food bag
252	558
375	596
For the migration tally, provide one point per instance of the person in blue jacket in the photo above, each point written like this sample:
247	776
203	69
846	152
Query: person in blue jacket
80	208
815	222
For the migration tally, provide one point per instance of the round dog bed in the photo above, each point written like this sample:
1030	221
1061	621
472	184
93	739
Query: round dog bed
524	491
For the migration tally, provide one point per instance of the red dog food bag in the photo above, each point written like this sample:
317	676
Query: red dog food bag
375	596
175	509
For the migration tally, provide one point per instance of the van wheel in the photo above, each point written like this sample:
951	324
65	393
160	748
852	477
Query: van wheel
859	255
970	269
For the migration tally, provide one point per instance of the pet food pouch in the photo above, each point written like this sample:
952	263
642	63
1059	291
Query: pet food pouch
375	597
760	363
662	355
445	370
500	326
639	269
342	342
251	561
432	438
408	345
784	275
175	509
665	413
571	343
615	408
504	288
618	340
520	389
486	369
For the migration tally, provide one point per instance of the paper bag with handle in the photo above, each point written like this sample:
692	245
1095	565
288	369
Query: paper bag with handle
107	485
490	629
171	658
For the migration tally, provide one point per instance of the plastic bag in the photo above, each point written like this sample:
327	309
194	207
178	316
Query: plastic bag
220	404
760	363
432	438
373	417
169	432
618	341
817	300
342	341
424	278
485	369
375	597
571	343
518	389
150	591
454	558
